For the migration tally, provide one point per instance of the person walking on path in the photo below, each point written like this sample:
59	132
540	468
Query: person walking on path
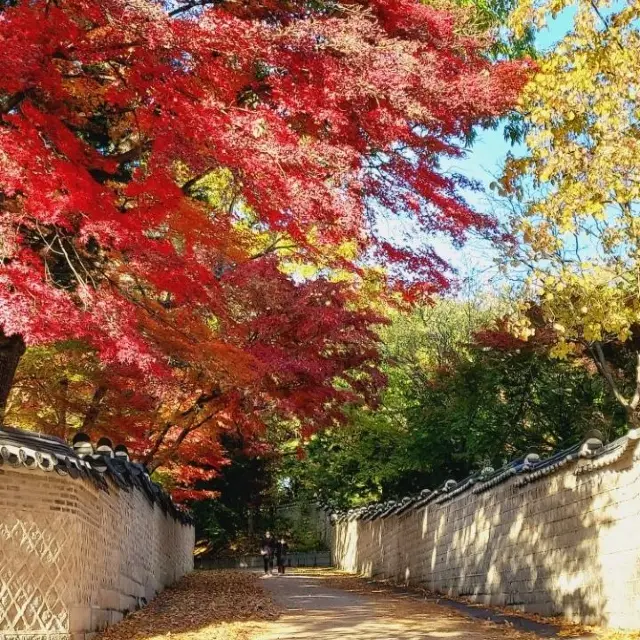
267	549
282	548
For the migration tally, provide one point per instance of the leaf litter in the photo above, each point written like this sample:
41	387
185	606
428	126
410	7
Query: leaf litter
205	605
232	605
338	579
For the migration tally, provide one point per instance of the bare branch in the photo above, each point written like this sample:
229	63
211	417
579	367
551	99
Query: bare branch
154	464
150	458
191	5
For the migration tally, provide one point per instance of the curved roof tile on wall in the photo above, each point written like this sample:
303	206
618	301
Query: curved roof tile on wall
529	468
36	451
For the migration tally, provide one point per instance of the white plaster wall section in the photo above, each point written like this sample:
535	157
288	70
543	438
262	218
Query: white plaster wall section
81	541
555	536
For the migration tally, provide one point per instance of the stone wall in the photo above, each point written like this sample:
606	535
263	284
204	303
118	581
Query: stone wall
556	537
80	546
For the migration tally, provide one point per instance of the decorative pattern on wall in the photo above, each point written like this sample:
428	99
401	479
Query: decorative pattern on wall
85	536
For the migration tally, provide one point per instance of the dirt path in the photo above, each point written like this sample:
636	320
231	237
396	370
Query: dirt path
317	605
314	610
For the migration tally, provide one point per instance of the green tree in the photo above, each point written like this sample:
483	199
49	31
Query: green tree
244	492
460	397
579	190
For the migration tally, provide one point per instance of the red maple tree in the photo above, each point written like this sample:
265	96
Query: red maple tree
323	117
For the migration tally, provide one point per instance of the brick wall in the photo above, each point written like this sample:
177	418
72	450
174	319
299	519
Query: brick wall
561	541
74	558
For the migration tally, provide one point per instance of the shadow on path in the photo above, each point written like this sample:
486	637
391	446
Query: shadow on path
540	629
313	610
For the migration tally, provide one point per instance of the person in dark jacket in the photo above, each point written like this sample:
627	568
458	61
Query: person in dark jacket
282	548
267	549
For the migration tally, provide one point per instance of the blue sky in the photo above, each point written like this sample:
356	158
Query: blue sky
484	161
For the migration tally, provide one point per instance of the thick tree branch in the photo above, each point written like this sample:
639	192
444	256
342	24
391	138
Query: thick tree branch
603	367
154	464
636	395
149	459
91	416
157	444
11	102
186	187
64	406
12	349
272	248
192	5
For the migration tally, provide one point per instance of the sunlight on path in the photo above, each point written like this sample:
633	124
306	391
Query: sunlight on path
315	611
240	605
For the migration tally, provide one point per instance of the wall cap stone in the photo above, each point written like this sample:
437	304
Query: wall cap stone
589	455
43	453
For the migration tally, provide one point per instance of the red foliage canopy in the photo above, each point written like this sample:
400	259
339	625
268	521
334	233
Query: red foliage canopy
113	111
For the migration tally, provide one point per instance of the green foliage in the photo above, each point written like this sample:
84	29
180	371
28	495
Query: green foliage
217	523
243	487
353	465
304	539
453	406
496	405
493	15
297	526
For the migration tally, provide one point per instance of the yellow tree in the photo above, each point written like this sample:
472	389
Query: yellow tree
580	231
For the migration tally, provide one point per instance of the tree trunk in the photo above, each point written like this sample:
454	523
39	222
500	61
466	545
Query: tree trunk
632	406
93	411
64	406
11	350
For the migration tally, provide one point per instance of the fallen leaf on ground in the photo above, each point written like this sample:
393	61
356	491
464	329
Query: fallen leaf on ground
338	579
205	605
